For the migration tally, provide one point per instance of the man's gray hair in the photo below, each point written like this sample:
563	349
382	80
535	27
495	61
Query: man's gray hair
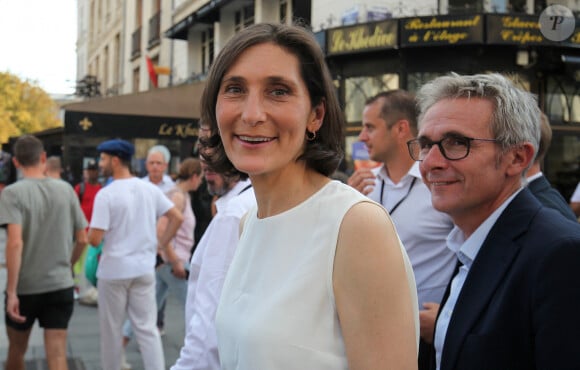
516	116
160	149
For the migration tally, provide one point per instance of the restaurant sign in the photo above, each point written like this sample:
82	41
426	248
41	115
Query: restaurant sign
522	30
363	37
442	30
513	29
122	125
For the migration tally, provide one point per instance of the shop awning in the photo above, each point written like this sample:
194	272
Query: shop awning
178	101
170	113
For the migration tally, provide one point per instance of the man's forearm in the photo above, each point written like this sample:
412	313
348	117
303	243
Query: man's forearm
77	251
13	264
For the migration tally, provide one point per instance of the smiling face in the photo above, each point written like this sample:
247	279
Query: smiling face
263	111
469	189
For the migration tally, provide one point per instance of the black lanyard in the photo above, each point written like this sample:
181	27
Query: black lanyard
402	199
244	189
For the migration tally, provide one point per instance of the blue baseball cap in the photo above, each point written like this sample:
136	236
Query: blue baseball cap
117	147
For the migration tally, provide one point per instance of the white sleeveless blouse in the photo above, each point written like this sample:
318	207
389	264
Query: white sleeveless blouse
277	309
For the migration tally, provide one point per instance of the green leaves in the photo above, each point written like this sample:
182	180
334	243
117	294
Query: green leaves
24	107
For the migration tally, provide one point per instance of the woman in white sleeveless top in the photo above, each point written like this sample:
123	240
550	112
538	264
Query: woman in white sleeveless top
320	279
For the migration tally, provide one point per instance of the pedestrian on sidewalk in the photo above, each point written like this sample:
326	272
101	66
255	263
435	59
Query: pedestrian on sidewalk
209	266
45	237
125	214
86	191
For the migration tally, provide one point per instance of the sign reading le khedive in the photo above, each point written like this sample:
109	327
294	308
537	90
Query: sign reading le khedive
114	125
364	37
442	30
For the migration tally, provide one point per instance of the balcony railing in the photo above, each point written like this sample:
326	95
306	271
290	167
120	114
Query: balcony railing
154	30
136	43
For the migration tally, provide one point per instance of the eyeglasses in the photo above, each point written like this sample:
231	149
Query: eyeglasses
453	147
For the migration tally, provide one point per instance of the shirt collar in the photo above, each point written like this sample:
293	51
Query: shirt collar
467	249
381	173
533	177
235	191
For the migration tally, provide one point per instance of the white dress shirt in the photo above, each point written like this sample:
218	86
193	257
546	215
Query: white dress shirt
466	250
165	185
209	265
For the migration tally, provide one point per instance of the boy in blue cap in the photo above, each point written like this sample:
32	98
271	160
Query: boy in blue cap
125	214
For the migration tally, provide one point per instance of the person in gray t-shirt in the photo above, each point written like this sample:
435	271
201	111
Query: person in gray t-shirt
45	236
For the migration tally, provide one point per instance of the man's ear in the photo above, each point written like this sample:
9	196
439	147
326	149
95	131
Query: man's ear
520	158
403	127
15	162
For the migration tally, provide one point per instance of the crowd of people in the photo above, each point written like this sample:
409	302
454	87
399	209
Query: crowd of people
454	253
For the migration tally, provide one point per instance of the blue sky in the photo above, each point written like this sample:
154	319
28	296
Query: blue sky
37	41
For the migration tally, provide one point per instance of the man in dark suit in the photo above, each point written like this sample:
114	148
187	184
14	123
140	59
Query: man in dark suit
509	304
538	183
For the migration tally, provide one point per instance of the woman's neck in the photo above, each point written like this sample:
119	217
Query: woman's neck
278	193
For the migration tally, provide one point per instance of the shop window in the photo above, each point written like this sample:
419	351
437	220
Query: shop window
207	49
563	99
359	89
465	6
283	11
418	79
562	105
136	80
244	17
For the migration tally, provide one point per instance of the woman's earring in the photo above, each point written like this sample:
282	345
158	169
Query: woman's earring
310	136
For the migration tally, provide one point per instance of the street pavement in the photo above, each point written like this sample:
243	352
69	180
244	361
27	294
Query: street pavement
83	349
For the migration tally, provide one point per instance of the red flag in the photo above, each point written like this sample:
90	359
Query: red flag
151	70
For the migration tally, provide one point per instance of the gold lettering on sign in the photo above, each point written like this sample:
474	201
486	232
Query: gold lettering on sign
418	24
521	37
183	130
165	130
575	39
516	22
450	37
358	39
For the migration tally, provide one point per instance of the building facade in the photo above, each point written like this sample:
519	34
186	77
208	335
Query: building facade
371	45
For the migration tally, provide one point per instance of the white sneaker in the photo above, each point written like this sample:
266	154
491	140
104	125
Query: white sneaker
90	298
124	364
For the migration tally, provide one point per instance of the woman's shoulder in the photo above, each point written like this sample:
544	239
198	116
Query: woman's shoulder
336	191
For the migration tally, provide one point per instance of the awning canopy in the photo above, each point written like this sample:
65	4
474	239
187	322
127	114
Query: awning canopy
209	13
178	101
170	113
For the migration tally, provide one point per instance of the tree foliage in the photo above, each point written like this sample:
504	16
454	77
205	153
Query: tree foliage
24	108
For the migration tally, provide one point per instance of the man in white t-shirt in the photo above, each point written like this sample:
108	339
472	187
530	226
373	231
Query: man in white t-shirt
125	214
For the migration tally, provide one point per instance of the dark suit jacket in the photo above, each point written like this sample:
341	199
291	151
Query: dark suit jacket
517	308
550	197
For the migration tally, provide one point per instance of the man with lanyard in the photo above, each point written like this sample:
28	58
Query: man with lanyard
209	265
389	121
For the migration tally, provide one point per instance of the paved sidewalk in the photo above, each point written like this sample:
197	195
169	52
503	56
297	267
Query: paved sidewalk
83	339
